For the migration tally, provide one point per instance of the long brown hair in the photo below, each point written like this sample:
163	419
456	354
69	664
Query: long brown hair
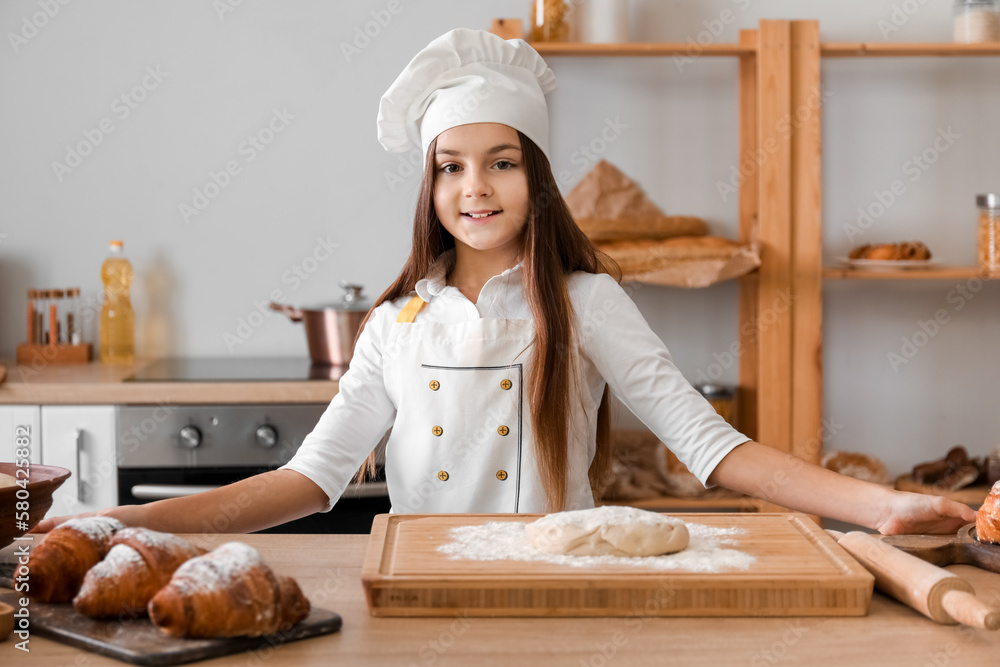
553	246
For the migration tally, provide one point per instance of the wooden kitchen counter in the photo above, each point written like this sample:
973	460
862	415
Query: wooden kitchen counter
96	383
329	568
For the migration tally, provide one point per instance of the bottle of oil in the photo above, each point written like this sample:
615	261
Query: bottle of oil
117	319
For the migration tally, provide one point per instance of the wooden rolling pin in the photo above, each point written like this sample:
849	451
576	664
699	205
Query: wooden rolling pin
931	590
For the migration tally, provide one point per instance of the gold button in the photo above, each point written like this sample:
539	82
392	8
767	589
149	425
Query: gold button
501	475
443	476
437	430
434	385
503	430
505	384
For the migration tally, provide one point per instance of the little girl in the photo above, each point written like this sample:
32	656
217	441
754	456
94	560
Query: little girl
493	354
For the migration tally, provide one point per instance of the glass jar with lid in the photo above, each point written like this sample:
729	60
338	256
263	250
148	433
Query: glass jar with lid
549	21
977	21
989	234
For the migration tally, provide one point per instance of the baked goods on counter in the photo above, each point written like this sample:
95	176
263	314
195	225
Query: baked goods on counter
859	466
139	563
988	517
60	562
228	592
108	571
909	250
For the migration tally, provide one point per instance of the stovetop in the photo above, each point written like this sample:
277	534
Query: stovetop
235	369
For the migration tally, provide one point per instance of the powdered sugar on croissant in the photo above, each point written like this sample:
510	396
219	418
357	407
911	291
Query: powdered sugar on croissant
140	563
227	593
60	561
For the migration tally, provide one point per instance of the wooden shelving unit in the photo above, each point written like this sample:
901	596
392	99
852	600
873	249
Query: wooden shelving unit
780	207
778	71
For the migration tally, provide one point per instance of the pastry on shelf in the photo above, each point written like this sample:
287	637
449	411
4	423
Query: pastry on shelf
61	560
859	466
910	250
139	563
955	471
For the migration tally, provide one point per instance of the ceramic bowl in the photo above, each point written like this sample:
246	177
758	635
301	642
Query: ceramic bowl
42	481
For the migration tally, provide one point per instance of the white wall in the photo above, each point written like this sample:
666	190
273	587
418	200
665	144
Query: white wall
324	177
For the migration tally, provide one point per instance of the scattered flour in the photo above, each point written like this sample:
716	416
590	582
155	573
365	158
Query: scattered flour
507	540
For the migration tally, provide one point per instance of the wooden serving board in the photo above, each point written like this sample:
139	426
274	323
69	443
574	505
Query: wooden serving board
799	571
961	549
138	642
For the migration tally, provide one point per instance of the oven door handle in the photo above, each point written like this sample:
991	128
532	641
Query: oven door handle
163	491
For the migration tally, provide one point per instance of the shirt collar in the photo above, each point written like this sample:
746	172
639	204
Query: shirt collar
435	282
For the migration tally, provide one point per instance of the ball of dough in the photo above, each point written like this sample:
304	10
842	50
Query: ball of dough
608	531
6	481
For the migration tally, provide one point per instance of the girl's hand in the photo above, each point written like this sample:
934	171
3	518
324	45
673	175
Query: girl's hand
920	513
130	515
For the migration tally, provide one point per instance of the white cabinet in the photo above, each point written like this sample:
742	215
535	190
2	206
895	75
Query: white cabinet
15	421
82	439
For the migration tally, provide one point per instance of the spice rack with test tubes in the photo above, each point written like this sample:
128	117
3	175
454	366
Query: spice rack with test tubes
53	331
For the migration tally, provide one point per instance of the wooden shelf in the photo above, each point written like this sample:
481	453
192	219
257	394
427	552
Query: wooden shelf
634	49
906	50
942	273
827	50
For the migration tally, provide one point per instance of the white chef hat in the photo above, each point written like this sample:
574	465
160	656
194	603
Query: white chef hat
467	76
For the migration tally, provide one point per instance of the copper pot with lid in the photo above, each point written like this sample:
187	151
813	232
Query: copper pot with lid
331	329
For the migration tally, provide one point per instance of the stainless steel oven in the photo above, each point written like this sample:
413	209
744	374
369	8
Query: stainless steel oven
166	451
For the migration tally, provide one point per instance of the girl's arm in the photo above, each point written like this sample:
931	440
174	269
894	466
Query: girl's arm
786	480
251	504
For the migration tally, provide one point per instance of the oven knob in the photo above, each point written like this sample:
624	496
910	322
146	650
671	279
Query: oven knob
267	436
190	437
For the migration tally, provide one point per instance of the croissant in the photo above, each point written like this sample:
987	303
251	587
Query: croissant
228	592
139	563
60	561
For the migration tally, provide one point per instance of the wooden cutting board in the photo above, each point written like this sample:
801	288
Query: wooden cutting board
138	642
799	571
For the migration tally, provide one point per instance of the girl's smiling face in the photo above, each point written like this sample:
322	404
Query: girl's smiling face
481	187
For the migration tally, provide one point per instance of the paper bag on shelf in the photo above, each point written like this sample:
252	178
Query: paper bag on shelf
685	261
608	205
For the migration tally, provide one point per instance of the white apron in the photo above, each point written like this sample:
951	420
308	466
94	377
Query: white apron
461	441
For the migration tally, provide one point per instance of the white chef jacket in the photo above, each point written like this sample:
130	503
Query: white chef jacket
614	345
